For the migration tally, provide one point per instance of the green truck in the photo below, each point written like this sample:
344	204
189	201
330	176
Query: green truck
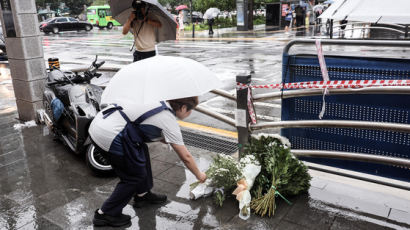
101	16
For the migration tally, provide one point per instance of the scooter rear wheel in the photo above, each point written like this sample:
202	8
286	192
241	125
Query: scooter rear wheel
97	161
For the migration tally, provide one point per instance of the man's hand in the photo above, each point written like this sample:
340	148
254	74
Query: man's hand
127	25
201	177
131	17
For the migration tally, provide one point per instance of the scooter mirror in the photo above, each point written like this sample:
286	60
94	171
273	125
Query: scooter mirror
95	61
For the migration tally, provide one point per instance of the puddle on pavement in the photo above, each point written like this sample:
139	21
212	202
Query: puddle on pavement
7	100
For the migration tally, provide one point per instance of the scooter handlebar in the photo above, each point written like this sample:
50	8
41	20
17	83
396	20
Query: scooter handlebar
98	65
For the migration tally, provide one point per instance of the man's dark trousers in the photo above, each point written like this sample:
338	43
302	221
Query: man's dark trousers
138	56
129	185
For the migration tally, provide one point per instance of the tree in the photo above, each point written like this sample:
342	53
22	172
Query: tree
259	3
43	3
203	5
77	6
173	3
99	2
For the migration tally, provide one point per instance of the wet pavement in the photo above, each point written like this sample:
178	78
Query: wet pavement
45	186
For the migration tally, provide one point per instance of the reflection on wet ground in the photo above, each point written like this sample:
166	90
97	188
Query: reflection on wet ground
7	101
45	186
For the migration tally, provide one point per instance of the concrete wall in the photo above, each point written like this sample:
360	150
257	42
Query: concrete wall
26	58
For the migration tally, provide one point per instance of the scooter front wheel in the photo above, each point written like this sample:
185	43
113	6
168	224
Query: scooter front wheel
97	161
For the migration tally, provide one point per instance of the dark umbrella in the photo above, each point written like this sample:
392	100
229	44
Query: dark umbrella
121	10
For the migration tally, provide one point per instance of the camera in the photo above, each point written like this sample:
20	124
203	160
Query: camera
137	5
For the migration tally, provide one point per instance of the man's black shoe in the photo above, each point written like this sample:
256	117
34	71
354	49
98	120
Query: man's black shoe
149	198
107	220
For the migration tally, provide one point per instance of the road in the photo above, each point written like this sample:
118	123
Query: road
257	54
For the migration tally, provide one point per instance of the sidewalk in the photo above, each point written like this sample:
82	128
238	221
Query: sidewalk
45	186
219	31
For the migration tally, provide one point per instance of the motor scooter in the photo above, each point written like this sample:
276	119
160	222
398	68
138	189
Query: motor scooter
70	104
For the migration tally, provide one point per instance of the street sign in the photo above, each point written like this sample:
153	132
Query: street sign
8	18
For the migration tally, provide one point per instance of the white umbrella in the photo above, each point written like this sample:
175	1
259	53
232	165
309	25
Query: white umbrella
159	78
211	13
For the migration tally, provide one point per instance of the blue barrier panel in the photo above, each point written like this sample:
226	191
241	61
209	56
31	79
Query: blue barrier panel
379	108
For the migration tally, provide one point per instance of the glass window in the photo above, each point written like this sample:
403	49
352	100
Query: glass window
101	13
93	11
62	20
72	19
109	13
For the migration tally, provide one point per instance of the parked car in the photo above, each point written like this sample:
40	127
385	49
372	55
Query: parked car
196	17
55	25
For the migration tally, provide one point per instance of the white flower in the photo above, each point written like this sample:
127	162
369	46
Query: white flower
248	159
282	139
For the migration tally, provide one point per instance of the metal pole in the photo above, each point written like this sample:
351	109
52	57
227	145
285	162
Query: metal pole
379	43
218	116
224	94
386	126
331	28
192	21
242	112
352	156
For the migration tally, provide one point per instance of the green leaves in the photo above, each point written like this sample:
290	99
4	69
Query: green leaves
75	6
203	5
224	172
279	168
219	198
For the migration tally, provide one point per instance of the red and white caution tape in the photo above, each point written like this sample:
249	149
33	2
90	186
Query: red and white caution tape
344	84
338	84
252	114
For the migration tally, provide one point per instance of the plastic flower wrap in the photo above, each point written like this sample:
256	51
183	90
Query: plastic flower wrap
199	190
222	175
250	169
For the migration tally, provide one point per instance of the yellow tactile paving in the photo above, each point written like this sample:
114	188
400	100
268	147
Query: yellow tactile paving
207	129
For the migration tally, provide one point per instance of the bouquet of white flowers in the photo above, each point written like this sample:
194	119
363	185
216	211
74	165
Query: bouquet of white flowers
250	168
222	175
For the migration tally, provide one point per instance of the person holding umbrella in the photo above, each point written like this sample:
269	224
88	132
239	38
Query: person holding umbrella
181	26
210	24
145	112
143	28
210	15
